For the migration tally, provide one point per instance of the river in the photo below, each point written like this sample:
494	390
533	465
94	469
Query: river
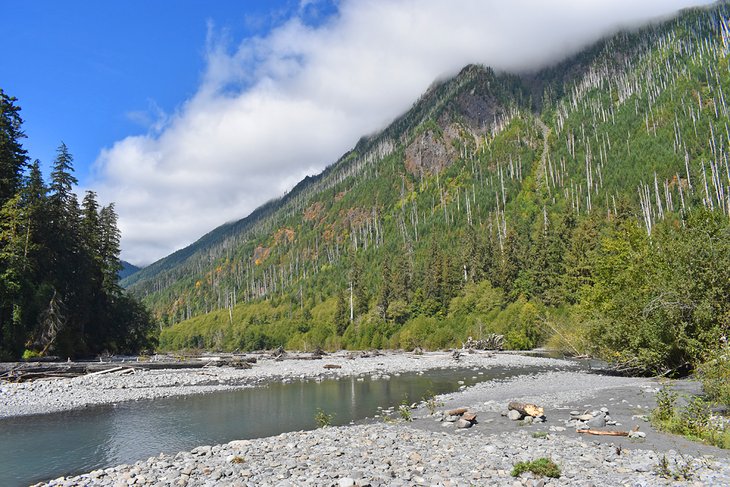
42	447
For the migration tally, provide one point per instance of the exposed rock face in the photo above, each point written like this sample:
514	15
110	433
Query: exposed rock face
478	111
431	151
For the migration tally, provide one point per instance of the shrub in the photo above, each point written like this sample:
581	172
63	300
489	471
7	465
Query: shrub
30	354
715	376
666	400
323	419
543	467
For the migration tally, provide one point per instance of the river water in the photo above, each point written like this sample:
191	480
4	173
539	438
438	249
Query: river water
43	447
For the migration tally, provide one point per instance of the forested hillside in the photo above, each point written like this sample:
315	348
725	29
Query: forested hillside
59	261
585	205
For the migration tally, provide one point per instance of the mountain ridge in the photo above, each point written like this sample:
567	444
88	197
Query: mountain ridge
492	186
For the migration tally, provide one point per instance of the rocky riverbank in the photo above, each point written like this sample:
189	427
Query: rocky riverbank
432	449
53	395
401	455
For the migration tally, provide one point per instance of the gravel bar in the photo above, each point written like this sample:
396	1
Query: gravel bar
61	394
431	450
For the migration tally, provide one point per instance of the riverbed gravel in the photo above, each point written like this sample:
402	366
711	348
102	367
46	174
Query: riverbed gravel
430	450
53	395
399	455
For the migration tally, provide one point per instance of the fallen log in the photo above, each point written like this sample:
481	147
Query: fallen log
105	371
526	409
332	366
604	433
456	412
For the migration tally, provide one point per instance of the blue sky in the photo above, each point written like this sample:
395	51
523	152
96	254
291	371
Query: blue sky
191	113
91	72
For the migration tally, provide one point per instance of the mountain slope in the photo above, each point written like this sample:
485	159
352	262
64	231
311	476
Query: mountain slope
491	186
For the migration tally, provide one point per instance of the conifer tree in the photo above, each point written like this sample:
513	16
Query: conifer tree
341	313
13	158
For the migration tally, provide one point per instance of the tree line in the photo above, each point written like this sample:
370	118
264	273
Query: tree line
59	260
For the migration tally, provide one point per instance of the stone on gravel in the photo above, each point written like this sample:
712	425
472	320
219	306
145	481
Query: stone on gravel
597	421
514	415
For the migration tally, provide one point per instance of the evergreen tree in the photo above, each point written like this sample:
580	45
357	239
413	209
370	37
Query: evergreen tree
342	311
11	277
385	295
110	248
13	158
359	289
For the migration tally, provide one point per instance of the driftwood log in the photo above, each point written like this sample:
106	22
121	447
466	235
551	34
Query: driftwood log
456	412
332	366
604	433
526	409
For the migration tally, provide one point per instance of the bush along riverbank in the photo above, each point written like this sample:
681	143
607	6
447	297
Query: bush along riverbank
700	417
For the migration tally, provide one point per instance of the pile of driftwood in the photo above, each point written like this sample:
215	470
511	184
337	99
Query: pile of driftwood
490	342
28	371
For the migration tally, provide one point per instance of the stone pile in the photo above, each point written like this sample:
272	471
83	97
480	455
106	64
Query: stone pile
525	412
590	419
461	417
593	421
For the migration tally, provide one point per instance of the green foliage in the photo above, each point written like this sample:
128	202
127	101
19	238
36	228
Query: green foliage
655	302
682	470
666	400
693	419
323	419
404	410
59	262
30	355
714	373
543	467
524	221
431	402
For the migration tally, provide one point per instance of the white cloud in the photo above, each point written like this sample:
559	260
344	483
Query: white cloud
277	108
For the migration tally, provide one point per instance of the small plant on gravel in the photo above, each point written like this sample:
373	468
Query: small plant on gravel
666	400
696	416
237	459
387	419
543	467
431	403
540	434
405	410
322	418
681	472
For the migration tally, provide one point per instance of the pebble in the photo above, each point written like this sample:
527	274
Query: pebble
377	454
383	454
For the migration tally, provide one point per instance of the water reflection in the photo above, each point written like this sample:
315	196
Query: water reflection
48	446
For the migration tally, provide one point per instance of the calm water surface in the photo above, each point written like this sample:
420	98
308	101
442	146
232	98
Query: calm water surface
43	447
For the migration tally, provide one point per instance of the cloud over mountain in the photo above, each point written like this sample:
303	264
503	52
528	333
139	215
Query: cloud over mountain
270	110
